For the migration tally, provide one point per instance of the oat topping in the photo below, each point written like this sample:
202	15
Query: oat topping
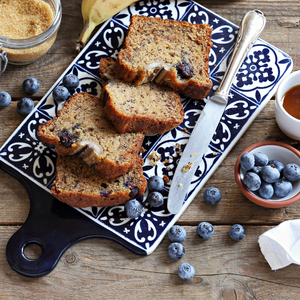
187	167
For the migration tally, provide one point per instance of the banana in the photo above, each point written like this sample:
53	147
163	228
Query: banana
95	12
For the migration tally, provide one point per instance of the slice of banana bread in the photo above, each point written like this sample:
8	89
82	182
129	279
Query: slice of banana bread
147	108
80	127
80	186
173	53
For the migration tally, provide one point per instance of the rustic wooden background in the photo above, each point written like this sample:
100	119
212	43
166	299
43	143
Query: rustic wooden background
104	270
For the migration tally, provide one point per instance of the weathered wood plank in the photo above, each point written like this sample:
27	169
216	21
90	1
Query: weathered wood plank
224	270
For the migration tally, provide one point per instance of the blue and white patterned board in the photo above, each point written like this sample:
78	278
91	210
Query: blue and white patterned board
253	87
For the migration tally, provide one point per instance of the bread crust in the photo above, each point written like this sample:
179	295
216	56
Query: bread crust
79	186
138	74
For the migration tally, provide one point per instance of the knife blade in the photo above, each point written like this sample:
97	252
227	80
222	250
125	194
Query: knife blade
251	27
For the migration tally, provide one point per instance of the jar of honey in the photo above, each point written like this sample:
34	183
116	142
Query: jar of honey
28	29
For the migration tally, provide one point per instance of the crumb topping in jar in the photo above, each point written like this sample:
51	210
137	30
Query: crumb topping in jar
21	19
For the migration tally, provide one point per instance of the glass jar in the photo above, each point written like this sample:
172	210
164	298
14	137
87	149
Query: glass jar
28	50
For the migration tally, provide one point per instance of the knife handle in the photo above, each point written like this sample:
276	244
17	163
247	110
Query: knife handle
251	27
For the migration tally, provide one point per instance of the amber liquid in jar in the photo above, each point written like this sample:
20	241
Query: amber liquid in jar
291	101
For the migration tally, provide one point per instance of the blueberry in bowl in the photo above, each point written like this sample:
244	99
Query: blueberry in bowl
266	183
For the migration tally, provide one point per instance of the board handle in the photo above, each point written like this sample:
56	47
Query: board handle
54	226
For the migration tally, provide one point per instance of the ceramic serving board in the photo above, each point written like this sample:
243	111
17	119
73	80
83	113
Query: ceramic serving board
56	226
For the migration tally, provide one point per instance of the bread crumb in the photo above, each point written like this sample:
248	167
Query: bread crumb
166	179
154	158
193	154
180	184
187	167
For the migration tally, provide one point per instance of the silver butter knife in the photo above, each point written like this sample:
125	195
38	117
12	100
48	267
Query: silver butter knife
251	27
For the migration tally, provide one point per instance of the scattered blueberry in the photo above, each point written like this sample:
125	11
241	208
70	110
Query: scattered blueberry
205	230
25	106
5	99
266	190
237	232
278	165
252	181
30	85
247	161
155	199
155	183
261	159
176	251
133	208
282	187
177	234
269	173
186	271
71	82
291	172
60	93
212	195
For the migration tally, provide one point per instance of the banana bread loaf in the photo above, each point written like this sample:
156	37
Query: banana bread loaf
147	108
80	127
80	186
173	53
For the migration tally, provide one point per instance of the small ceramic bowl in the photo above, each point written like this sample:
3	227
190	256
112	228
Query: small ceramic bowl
287	123
274	150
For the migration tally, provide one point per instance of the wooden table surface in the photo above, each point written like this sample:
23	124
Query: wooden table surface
102	269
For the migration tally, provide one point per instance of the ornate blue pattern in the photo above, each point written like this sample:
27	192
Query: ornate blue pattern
253	87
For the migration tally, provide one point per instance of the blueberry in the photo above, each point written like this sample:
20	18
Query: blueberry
176	251
186	271
66	138
177	234
282	188
261	159
134	190
133	208
155	199
25	106
247	161
30	85
266	190
71	82
277	164
60	93
252	181
256	170
5	99
205	230
212	195
155	183
237	232
291	172
269	173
